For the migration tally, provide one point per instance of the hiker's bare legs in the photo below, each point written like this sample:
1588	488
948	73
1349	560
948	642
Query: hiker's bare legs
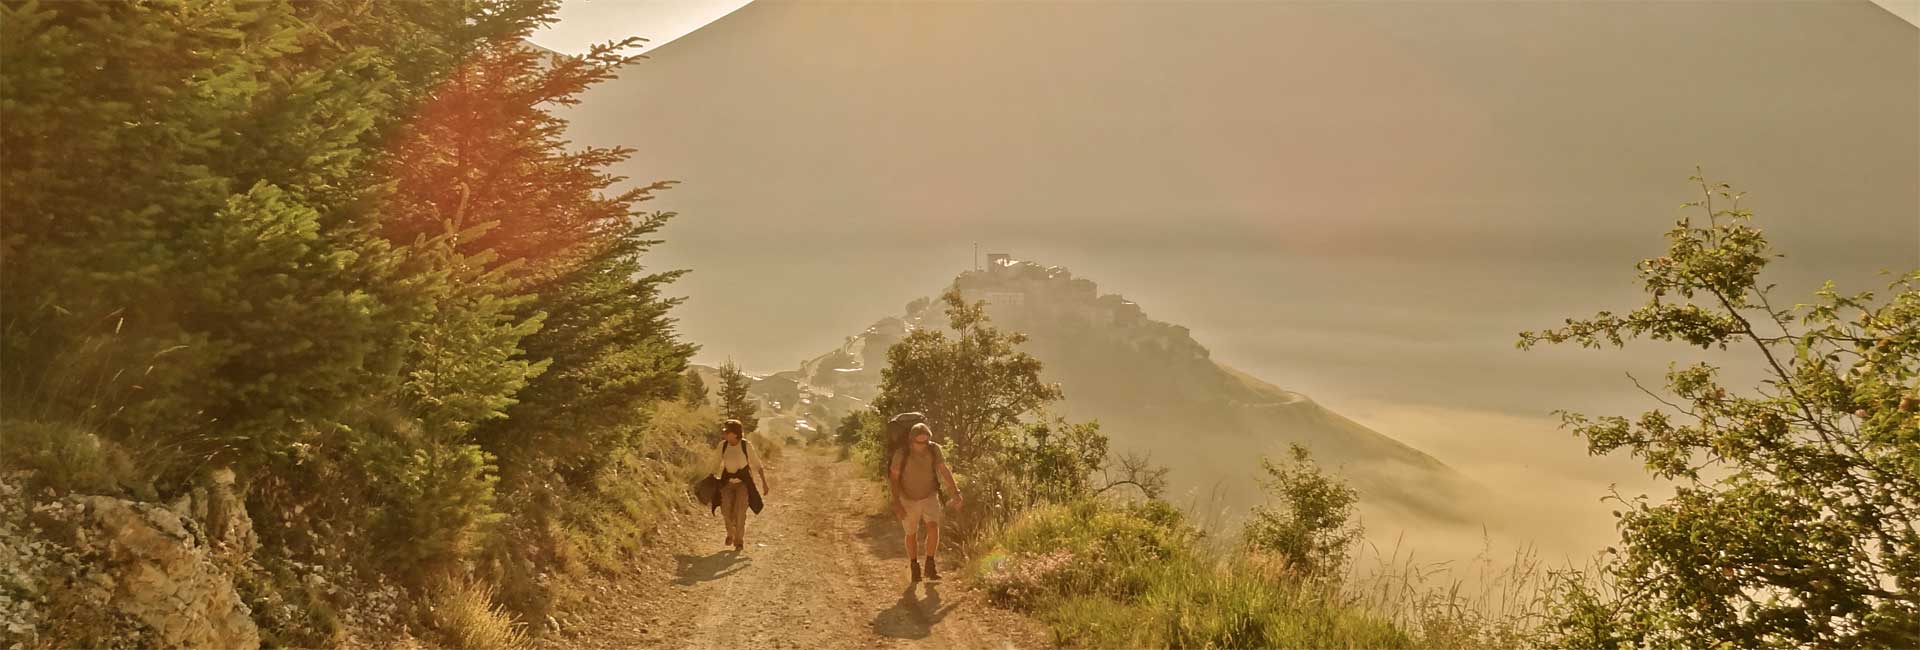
914	475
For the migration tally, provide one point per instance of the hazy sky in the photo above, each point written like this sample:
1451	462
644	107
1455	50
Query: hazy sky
585	23
1421	180
1363	202
582	23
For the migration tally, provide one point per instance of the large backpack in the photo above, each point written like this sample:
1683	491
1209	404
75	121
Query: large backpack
899	428
899	432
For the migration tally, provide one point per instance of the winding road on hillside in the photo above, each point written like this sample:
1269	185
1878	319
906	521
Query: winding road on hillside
822	569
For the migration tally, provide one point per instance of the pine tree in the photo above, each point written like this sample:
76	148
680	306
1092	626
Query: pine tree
188	263
338	246
193	202
735	404
485	154
694	390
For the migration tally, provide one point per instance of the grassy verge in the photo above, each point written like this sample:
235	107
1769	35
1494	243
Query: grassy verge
1110	575
555	542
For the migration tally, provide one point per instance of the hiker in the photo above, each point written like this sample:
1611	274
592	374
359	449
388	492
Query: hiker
914	475
738	490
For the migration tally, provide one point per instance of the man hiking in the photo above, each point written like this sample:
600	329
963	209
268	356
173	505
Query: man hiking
916	496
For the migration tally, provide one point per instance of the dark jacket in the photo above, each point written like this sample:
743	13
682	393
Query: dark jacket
711	485
708	491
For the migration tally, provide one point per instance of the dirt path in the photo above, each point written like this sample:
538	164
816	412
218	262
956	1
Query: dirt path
821	570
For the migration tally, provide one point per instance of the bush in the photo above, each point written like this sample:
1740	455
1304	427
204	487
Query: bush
1311	528
462	611
1109	544
601	525
1106	575
437	502
857	427
68	458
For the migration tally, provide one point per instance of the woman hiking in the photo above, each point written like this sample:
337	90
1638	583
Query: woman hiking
738	490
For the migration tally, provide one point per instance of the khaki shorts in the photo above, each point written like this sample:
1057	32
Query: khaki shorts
927	510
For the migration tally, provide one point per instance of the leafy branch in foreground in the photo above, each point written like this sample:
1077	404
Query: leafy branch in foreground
1794	519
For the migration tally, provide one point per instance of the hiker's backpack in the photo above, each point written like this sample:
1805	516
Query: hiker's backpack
899	433
899	428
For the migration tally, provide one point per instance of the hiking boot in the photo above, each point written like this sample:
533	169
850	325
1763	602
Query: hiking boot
933	573
916	569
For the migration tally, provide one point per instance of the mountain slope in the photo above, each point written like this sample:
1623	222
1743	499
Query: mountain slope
1157	391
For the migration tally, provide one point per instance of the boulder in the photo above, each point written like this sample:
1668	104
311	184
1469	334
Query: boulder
151	564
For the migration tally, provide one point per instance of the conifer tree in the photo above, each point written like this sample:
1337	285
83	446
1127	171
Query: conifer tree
694	390
735	404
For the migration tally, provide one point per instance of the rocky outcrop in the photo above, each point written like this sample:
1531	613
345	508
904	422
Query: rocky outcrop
229	530
154	572
160	573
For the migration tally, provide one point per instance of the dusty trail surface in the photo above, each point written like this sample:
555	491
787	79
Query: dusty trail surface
821	570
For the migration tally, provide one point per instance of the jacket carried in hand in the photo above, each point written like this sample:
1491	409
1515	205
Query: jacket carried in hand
708	490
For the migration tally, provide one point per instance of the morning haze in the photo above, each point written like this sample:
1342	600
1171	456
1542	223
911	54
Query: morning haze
973	324
1360	202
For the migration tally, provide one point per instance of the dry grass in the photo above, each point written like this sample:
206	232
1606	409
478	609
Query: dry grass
1482	603
462	611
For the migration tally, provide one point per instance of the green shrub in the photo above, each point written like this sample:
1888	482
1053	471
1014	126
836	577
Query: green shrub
435	504
1106	575
858	427
68	458
1311	527
1111	547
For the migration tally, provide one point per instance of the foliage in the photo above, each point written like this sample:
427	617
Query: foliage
969	385
1058	459
735	404
601	524
693	390
184	211
1312	527
613	350
1135	576
1037	463
341	248
858	426
1794	521
67	458
1005	454
486	150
